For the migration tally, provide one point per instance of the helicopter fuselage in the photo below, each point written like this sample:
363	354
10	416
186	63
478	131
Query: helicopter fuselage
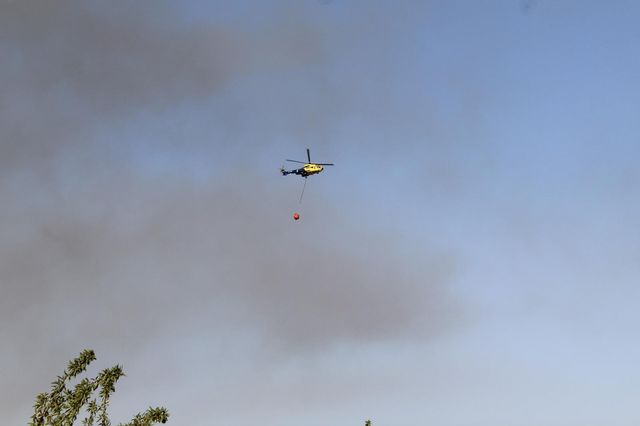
306	170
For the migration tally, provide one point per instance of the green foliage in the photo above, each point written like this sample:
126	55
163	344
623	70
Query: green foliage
151	416
62	405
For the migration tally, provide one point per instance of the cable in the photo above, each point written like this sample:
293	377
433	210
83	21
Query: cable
303	187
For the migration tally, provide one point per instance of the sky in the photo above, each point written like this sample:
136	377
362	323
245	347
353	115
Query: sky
471	260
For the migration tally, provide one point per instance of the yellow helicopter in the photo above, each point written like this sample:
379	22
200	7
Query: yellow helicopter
308	169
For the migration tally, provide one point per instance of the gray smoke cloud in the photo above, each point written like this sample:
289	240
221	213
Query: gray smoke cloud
95	252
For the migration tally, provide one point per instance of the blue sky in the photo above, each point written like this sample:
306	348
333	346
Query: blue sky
472	258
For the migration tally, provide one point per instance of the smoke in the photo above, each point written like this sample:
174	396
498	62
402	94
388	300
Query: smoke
97	252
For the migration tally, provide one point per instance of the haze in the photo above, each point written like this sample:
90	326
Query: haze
472	259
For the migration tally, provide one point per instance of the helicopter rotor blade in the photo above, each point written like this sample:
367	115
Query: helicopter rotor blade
308	155
324	164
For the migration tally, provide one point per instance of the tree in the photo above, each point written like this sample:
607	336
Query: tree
62	405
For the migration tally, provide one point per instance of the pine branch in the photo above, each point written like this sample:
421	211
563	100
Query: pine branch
62	406
150	417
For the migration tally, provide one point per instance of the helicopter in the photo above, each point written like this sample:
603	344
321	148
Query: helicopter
307	170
